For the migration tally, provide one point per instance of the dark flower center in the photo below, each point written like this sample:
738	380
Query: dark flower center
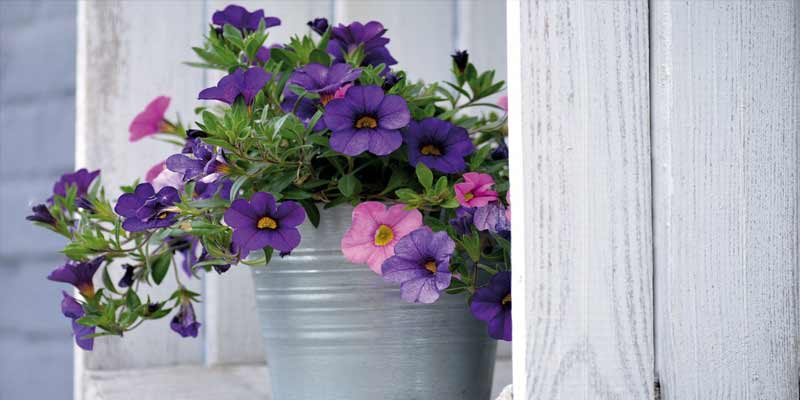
430	150
431	266
506	299
366	122
266	223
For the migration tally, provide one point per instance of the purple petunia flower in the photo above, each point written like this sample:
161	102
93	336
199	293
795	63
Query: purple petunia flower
78	274
460	60
492	218
318	79
421	265
438	144
185	322
346	39
73	310
81	179
245	83
242	19
318	25
187	246
261	222
500	152
205	164
492	304
151	120
127	278
463	221
220	268
366	120
41	214
221	187
145	209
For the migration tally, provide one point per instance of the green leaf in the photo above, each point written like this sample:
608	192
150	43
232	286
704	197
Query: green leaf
347	185
319	57
132	300
479	157
268	254
441	186
425	176
160	267
233	35
107	282
312	212
450	203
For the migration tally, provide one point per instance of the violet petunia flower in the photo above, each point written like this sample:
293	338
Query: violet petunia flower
145	209
74	311
205	164
492	218
463	221
318	25
318	79
186	246
221	187
185	322
492	303
476	190
151	120
81	179
346	39
241	19
421	265
78	274
245	83
127	277
500	152
460	60
366	120
41	214
261	222
438	144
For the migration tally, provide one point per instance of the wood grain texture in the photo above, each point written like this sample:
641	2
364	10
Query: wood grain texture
123	63
726	120
580	173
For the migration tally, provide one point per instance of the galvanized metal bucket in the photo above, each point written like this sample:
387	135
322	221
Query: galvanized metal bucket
335	331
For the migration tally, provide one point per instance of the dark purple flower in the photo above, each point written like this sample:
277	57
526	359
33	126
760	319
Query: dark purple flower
73	310
319	25
492	218
243	20
438	144
346	39
195	133
366	120
263	55
185	322
245	83
127	278
462	223
261	222
220	268
460	60
85	204
492	303
500	152
78	274
421	265
389	80
221	187
318	79
145	209
81	179
186	245
41	214
198	161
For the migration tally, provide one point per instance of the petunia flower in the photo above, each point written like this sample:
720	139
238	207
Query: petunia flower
78	274
245	83
220	268
346	39
460	60
81	179
366	120
186	246
74	311
261	222
318	25
421	265
221	187
198	161
151	120
41	214
318	79
376	230
185	322
438	144
502	102
127	277
145	209
475	191
508	210
492	218
167	178
463	221
241	19
500	152
492	303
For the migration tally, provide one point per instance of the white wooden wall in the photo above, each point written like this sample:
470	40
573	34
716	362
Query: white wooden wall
698	231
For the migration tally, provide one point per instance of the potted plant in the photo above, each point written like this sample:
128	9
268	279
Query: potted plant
372	209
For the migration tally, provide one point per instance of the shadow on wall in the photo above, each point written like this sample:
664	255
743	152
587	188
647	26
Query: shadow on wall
37	118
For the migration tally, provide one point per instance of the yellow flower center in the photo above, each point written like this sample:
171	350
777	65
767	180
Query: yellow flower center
266	223
430	150
468	196
366	122
431	266
507	299
383	235
224	169
162	215
325	98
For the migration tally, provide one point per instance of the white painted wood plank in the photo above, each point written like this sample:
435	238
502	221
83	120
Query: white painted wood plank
726	113
422	33
124	62
580	173
233	333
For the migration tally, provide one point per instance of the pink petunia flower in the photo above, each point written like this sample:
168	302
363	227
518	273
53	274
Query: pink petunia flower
475	191
375	231
159	176
502	102
151	120
153	172
508	200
